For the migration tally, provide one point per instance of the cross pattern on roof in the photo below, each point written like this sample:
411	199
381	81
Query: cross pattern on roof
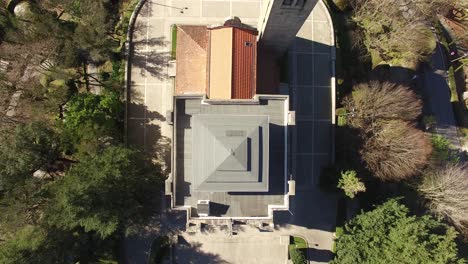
230	153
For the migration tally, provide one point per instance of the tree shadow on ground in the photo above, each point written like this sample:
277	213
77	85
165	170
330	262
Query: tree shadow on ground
146	10
150	62
144	132
149	55
184	252
396	75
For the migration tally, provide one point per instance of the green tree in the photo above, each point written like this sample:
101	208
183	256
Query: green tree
388	234
93	38
112	189
350	183
21	247
31	147
96	118
98	110
36	245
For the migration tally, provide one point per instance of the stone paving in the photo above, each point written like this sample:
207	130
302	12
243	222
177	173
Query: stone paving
311	71
247	247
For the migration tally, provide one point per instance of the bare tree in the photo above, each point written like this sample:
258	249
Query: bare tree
374	101
427	9
446	189
396	151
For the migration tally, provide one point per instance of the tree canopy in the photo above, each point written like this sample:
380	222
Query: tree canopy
35	245
394	33
375	102
388	234
446	189
92	119
350	183
383	114
87	188
31	147
396	151
102	193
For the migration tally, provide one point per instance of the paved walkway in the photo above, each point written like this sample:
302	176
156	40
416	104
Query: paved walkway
437	94
310	62
249	246
151	92
310	82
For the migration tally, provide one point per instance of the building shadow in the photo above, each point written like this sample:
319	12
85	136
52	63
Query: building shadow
319	255
185	252
217	209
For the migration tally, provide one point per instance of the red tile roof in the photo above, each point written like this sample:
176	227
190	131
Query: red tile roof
244	63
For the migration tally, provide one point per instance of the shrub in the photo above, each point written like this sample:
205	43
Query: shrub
441	150
297	256
350	184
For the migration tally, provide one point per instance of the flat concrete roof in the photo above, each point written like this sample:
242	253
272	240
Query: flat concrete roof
186	157
230	153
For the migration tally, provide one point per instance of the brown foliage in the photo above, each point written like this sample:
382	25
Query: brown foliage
447	191
375	101
396	151
397	32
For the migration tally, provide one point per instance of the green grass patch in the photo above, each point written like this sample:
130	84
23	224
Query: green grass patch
452	84
299	242
173	41
451	72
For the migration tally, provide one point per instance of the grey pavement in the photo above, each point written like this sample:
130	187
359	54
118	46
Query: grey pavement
310	62
312	212
311	96
249	246
437	94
